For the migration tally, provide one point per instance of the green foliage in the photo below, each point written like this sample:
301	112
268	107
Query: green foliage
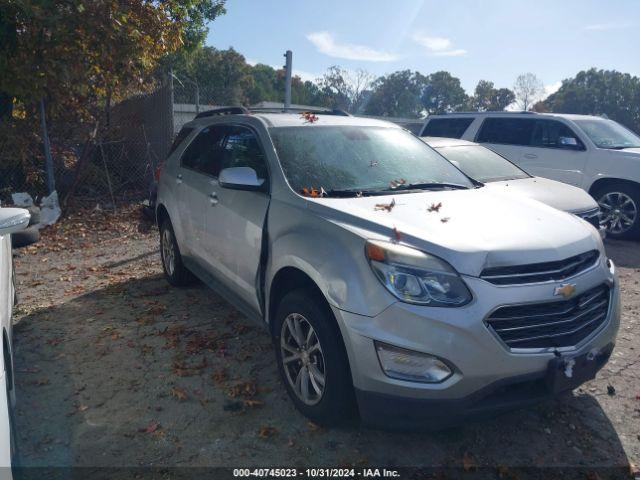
397	95
597	92
443	93
488	98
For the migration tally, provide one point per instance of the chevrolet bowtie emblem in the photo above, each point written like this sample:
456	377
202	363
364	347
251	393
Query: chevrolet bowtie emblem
566	290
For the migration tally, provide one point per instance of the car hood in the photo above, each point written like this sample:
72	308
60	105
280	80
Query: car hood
555	194
471	229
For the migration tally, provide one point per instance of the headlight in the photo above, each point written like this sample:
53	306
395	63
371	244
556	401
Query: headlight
416	277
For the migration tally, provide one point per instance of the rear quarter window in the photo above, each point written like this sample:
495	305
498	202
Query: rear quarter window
447	127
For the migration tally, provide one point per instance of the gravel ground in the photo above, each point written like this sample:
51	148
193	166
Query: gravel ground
116	368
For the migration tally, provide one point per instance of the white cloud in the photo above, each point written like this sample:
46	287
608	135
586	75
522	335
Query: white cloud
600	27
437	46
304	76
327	44
551	89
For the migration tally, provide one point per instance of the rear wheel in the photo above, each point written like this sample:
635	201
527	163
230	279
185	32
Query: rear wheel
620	206
312	359
174	270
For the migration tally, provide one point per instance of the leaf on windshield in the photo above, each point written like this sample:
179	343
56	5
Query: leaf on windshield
313	192
309	117
386	206
435	207
397	183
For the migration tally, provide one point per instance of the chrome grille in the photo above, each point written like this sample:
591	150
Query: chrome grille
563	323
540	272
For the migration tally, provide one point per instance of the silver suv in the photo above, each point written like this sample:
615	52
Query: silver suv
390	282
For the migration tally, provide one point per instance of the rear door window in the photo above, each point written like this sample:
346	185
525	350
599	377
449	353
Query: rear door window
507	131
204	153
447	127
182	135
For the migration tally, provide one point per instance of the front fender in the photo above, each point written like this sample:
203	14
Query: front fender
332	256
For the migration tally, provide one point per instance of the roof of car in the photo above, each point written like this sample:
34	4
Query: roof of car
439	142
297	119
570	116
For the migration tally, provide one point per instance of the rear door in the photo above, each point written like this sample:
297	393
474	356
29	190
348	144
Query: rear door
197	171
235	220
507	136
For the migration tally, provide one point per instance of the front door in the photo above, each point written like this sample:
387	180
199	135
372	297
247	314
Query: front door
235	220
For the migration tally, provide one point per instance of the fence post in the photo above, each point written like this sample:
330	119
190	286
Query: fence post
51	182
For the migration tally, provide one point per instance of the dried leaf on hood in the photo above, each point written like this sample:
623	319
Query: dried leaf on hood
396	235
435	207
385	206
309	117
445	219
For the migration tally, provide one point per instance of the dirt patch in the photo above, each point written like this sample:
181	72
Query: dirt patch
116	368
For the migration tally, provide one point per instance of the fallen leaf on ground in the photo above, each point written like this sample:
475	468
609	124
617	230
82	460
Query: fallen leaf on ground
468	462
152	427
267	432
179	393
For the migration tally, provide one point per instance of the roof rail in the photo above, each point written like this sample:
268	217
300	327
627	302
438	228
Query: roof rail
223	111
491	112
316	110
239	110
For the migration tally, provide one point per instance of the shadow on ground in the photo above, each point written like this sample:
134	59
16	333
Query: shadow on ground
141	374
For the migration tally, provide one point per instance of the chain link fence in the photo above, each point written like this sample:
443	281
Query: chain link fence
107	163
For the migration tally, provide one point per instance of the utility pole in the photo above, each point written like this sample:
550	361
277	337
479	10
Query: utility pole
287	79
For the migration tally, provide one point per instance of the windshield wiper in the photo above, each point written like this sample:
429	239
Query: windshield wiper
428	186
348	193
622	147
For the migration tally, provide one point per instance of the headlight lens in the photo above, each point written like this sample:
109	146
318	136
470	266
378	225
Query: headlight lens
416	277
412	366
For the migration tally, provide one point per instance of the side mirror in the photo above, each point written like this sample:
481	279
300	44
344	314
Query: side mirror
569	142
240	178
13	220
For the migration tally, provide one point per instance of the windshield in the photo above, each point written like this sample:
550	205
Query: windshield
608	134
481	164
359	158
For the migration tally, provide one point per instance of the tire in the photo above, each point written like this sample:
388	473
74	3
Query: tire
25	237
174	270
620	206
35	216
13	440
325	370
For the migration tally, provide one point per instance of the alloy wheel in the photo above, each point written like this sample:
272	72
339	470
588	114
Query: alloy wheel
619	212
302	359
168	252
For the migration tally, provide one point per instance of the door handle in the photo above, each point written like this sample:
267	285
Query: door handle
213	198
530	155
179	178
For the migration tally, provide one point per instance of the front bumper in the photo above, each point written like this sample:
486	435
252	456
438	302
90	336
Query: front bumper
482	365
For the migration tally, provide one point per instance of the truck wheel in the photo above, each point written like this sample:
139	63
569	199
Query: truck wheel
620	206
312	359
174	270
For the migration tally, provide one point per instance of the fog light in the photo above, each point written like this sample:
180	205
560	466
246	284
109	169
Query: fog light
409	365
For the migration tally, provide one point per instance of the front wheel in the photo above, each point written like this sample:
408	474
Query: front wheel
312	359
620	206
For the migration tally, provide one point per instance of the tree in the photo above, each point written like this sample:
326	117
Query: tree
443	93
397	95
344	90
528	88
80	53
487	98
597	92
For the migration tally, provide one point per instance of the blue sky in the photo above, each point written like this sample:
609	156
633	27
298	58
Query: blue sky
492	39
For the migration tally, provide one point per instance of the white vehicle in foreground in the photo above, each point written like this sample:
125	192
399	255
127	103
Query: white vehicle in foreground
11	220
488	167
387	279
598	155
